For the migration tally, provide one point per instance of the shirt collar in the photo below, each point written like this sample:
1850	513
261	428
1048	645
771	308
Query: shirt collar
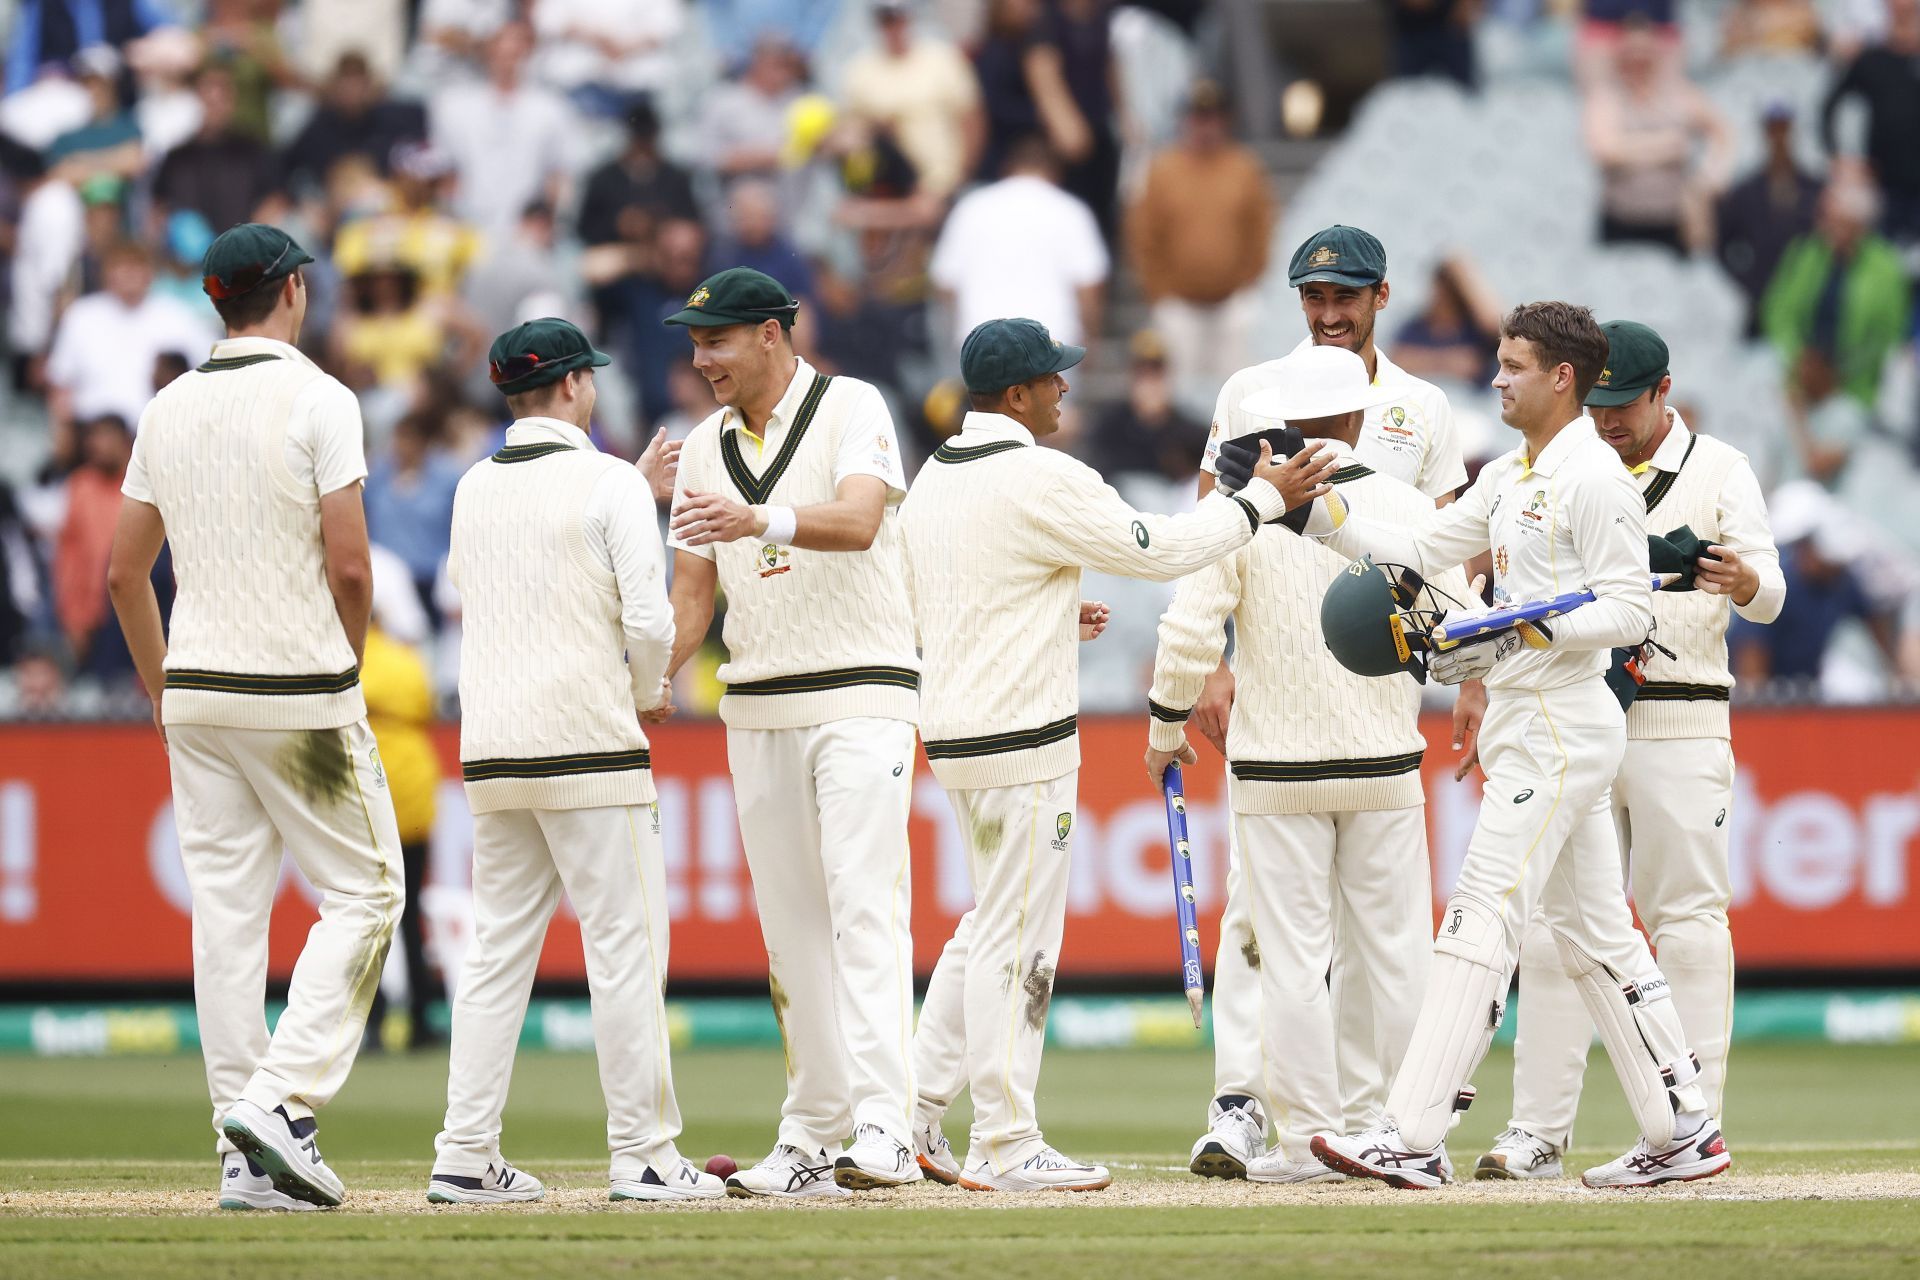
984	428
537	430
1556	450
783	411
1672	450
229	348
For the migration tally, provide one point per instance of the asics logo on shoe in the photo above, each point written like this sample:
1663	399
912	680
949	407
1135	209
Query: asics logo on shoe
1398	1159
1651	1162
805	1175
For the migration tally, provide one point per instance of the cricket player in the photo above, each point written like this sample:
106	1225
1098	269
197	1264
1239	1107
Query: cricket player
786	505
1407	435
1673	796
250	467
1559	514
1328	813
565	636
997	534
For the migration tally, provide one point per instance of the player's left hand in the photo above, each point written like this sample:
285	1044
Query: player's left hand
1723	572
711	517
1469	709
1157	762
660	464
1094	616
661	711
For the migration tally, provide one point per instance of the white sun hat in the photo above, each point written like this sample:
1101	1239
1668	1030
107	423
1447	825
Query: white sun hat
1318	382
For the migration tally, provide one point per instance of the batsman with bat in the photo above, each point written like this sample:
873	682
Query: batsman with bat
1559	513
1674	794
1328	813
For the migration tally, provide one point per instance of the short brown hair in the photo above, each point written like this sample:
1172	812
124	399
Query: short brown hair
250	308
1565	334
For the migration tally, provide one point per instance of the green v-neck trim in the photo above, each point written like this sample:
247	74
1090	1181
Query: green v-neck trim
757	489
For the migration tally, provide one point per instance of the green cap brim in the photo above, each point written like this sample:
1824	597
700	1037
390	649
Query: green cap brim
1614	397
1334	277
1069	356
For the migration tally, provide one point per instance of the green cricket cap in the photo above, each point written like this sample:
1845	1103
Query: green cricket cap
1338	255
1005	353
1636	360
738	295
538	352
243	258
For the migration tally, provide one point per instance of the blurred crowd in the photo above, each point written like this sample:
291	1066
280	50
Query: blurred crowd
906	167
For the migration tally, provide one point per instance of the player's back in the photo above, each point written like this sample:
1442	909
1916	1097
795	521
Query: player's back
235	456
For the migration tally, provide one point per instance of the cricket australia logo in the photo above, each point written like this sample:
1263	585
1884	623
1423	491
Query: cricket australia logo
1062	826
698	298
379	771
1324	256
774	559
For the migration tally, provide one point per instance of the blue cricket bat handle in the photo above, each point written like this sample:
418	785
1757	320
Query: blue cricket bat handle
1180	849
1490	624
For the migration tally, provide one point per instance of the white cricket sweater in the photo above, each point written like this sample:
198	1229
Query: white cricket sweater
255	640
548	704
997	532
811	636
1707	485
1307	735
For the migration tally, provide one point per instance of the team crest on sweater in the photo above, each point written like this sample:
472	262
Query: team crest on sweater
775	559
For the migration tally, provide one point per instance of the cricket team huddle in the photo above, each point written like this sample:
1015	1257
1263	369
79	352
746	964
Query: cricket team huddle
1330	551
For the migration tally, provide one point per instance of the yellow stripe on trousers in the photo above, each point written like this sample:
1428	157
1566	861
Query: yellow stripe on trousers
656	994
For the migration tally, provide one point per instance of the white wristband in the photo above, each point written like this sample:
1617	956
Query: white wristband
782	524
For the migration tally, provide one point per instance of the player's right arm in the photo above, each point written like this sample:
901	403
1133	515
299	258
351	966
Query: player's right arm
1192	639
694	580
1450	536
137	539
1083	522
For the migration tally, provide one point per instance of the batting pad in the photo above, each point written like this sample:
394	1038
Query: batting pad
1466	988
1641	1030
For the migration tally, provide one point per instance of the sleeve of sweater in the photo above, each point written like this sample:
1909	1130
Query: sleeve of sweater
1192	636
1607	517
1081	521
622	532
1744	528
1442	539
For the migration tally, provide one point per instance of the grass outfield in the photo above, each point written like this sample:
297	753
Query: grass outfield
98	1177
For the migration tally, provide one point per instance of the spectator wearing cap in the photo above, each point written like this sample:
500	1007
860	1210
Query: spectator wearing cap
511	142
1842	289
222	173
355	117
1644	122
1763	213
601	55
1147	434
1886	78
1197	236
104	350
1023	245
924	92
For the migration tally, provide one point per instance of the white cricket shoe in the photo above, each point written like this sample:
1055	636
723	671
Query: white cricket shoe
788	1173
1519	1154
1236	1135
287	1150
245	1185
500	1184
875	1160
934	1155
1701	1154
1277	1167
680	1181
1380	1153
1047	1170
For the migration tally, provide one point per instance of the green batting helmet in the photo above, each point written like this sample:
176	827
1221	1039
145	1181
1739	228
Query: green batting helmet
1370	624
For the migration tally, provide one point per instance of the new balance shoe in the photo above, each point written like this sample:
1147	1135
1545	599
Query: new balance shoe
681	1182
875	1160
1380	1153
1047	1170
1236	1134
245	1185
500	1184
788	1173
1701	1154
1276	1167
934	1155
287	1150
1519	1154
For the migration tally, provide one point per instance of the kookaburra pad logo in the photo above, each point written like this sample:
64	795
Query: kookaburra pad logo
1453	926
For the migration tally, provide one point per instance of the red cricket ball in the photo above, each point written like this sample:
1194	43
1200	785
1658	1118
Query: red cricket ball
722	1166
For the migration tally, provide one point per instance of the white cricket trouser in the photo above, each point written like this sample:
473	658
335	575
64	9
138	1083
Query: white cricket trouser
609	862
1003	957
1671	804
823	821
940	1037
1347	891
1545	837
238	796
